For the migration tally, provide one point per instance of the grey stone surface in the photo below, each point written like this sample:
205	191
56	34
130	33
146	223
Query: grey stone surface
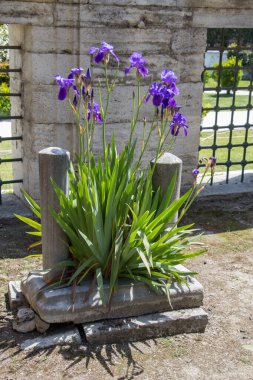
25	314
16	297
168	166
146	326
65	336
24	320
41	326
24	327
131	299
53	165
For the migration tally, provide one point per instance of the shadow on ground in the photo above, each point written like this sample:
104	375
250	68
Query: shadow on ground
214	214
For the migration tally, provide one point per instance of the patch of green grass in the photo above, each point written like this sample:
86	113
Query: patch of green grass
225	100
6	167
236	155
213	83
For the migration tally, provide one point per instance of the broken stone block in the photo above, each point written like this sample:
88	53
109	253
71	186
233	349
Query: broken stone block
146	326
41	326
24	321
16	297
65	336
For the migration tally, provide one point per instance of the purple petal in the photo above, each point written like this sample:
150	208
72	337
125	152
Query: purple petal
172	103
195	172
76	91
99	57
93	50
147	98
115	56
143	71
157	100
174	130
127	69
62	93
106	47
88	74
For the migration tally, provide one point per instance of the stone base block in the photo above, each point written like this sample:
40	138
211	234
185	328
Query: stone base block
16	297
69	336
146	326
130	299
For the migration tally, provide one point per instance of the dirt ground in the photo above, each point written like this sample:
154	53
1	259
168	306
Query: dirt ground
226	272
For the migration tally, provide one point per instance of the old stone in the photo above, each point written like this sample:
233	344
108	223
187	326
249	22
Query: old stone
41	326
53	165
146	326
25	320
64	336
25	314
131	299
24	327
16	297
167	167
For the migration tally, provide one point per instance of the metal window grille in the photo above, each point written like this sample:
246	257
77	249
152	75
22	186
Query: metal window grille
236	43
5	94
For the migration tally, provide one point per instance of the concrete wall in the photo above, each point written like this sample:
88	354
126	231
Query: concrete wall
56	35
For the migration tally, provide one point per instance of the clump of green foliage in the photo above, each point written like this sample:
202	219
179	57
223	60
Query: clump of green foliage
229	74
5	105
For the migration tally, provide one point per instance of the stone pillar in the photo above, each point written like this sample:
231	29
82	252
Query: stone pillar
167	166
53	163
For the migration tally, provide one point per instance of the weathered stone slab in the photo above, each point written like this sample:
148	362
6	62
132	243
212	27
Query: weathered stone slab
16	297
69	336
24	321
146	326
131	299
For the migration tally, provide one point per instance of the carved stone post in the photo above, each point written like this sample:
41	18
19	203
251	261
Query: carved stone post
53	163
167	166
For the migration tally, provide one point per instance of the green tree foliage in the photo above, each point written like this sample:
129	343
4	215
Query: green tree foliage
229	75
5	105
4	40
214	37
4	77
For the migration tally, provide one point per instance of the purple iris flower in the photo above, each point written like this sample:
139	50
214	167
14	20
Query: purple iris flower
137	61
76	72
195	173
95	112
157	92
179	121
167	97
65	84
103	53
169	78
170	103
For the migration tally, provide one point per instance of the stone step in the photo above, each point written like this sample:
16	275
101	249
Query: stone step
146	326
